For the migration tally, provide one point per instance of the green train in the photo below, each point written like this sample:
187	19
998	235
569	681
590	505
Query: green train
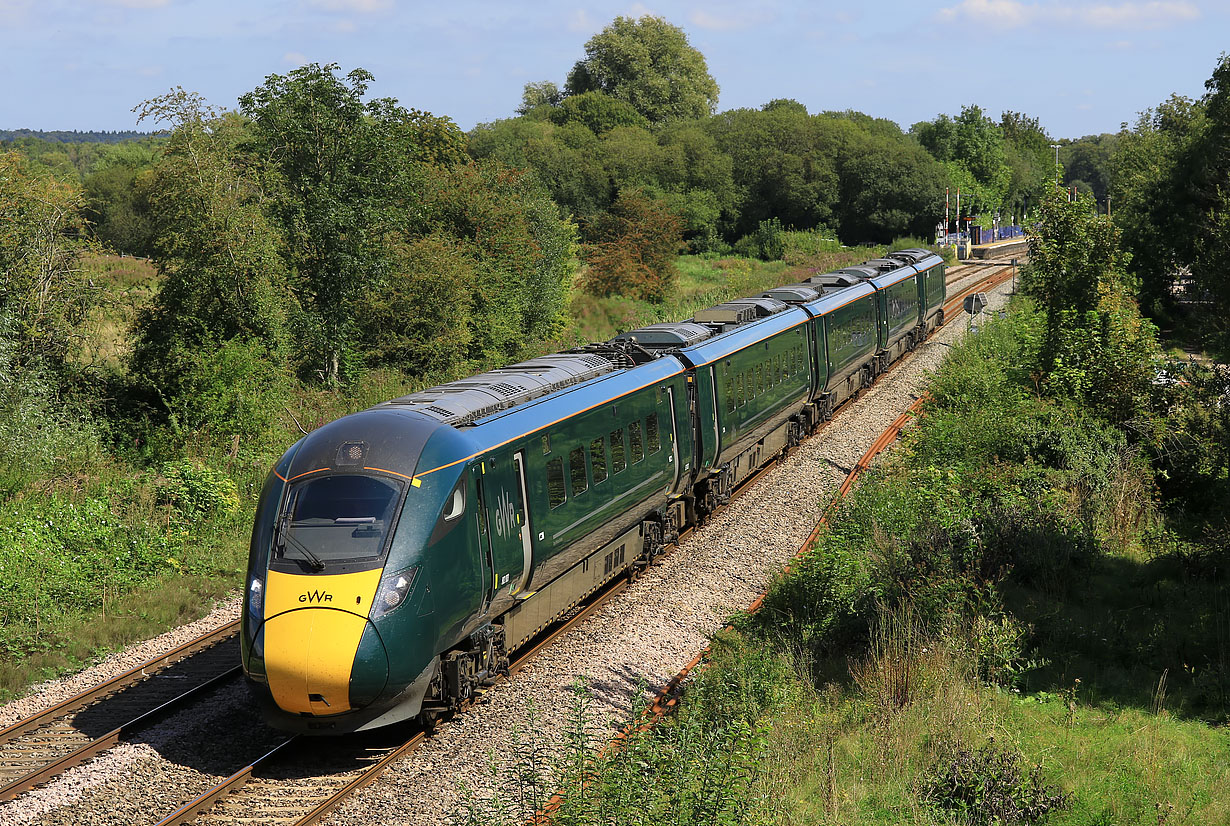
400	554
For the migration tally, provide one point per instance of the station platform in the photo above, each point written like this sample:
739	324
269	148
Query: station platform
1012	247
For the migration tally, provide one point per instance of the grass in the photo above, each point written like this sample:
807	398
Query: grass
703	281
124	285
93	562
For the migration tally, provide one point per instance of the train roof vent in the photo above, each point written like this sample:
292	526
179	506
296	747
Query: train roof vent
451	405
912	255
795	293
466	401
729	313
841	279
667	334
763	306
884	264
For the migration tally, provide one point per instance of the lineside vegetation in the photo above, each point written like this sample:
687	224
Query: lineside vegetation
1018	618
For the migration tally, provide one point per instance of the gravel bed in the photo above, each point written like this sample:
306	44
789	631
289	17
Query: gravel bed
144	780
641	638
629	648
47	694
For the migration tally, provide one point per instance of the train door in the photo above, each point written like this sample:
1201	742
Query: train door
503	494
674	457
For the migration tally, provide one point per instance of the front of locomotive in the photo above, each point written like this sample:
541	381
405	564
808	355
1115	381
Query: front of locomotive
341	626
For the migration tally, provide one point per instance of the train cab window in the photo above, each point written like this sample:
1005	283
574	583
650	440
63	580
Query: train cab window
651	433
635	444
338	518
555	483
597	459
618	459
576	466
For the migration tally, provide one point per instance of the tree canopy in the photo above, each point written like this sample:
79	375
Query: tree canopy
649	64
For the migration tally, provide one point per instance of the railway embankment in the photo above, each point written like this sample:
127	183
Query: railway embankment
1001	624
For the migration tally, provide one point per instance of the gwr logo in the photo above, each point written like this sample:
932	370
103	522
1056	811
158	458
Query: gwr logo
316	596
505	516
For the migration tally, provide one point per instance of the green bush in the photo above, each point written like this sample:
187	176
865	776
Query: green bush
195	491
41	431
989	787
60	557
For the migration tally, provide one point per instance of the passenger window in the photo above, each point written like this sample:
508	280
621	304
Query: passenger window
728	389
576	464
741	381
635	444
555	482
546	443
618	462
597	459
651	433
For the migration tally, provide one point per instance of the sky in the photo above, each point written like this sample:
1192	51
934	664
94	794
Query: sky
1080	66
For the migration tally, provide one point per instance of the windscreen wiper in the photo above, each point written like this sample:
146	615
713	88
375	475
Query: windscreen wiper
283	536
316	562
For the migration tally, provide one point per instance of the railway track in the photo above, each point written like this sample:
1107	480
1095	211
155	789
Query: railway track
298	781
303	779
43	745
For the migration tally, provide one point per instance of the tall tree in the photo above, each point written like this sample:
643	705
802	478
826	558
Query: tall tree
971	145
649	64
43	294
1097	346
1152	203
211	347
345	173
1207	168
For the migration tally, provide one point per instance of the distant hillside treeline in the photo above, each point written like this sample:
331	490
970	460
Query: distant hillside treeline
73	135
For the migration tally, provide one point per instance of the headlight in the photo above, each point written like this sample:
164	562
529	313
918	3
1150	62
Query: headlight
393	590
256	597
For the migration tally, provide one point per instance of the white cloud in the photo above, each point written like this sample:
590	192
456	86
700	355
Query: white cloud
356	6
1013	14
730	21
1140	15
295	59
140	4
150	71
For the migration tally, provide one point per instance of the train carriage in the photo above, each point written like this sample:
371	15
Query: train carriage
751	377
932	290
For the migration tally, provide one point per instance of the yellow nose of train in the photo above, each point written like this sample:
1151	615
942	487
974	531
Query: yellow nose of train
313	627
